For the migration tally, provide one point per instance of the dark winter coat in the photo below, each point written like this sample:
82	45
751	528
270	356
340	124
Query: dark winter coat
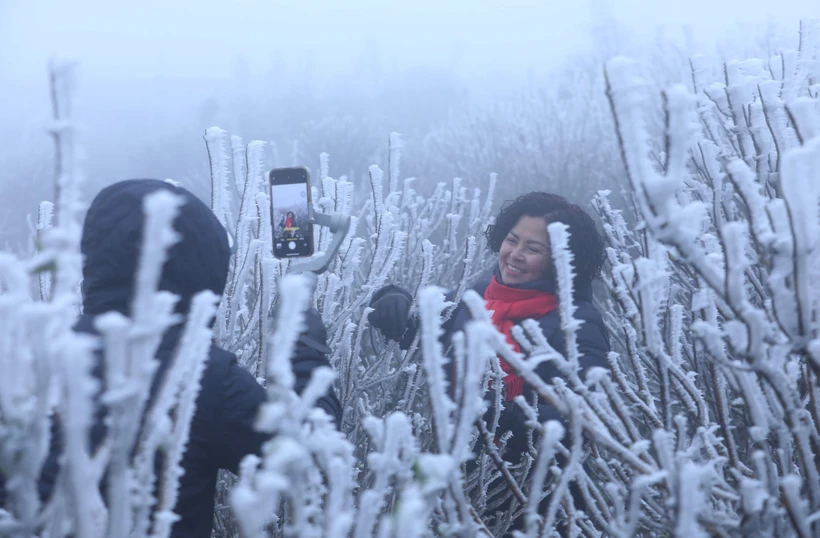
593	345
592	338
222	429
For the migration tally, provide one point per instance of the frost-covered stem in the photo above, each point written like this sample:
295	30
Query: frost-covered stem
239	170
804	117
45	216
113	328
427	265
620	409
790	492
389	437
352	377
65	237
562	258
501	465
151	314
637	365
471	405
735	89
25	434
61	78
376	177
723	417
627	390
183	386
551	435
549	394
253	184
264	230
76	417
286	472
801	195
243	275
394	160
160	209
775	116
570	469
431	304
219	160
294	297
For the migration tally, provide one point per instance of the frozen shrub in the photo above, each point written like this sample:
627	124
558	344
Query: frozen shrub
707	422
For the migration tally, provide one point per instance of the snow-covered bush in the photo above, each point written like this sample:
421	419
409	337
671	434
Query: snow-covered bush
706	423
713	303
391	240
47	372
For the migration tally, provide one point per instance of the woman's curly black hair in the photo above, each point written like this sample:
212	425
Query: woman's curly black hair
584	241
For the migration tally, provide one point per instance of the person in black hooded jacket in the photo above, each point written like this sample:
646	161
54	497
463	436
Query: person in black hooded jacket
222	429
522	286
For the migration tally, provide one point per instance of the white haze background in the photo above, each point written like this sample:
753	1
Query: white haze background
155	74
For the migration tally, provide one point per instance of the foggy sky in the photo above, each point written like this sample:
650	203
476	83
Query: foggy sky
119	44
146	67
195	37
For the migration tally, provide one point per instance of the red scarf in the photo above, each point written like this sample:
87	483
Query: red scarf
510	306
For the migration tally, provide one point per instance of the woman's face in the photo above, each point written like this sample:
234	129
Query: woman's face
524	253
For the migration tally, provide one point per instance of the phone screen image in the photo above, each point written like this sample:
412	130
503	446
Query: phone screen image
292	228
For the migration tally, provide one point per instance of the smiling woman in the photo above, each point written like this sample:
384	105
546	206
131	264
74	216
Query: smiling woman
524	254
519	236
523	285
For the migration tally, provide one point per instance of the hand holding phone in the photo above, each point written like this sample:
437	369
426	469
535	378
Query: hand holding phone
291	212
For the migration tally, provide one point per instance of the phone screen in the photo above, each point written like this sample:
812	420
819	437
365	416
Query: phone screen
290	204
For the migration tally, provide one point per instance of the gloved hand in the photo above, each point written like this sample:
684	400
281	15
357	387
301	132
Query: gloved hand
390	314
513	419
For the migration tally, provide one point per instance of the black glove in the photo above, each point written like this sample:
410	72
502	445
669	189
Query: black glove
314	336
390	314
513	419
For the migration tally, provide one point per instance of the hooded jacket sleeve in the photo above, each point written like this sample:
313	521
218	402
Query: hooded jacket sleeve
242	397
235	434
308	357
312	352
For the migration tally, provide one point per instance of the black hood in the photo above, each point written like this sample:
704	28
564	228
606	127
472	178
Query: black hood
112	236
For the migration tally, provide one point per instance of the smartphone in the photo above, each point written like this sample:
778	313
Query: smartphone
291	212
